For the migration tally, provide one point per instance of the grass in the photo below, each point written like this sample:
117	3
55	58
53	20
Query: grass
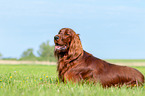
125	60
41	80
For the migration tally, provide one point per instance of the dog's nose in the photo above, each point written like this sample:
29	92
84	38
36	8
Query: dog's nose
56	38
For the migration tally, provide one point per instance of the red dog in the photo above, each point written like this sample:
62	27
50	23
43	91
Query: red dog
77	65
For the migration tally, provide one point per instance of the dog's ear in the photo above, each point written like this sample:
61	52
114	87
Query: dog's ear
75	48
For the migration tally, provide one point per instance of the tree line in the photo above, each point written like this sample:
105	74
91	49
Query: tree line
45	53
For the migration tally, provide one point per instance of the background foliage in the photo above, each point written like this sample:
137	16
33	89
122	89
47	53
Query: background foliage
45	53
0	55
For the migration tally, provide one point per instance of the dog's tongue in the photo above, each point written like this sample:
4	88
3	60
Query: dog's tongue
60	48
57	47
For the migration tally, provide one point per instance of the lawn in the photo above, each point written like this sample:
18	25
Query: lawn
41	80
126	60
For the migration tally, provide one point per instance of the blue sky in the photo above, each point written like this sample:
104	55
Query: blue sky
109	29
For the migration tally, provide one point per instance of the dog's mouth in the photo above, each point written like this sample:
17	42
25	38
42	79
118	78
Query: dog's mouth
60	47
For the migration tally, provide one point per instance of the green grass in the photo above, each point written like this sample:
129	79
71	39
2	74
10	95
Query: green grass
41	80
125	60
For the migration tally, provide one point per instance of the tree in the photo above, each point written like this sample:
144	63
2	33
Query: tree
1	56
28	55
46	52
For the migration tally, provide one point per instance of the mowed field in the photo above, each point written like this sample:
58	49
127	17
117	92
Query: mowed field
41	80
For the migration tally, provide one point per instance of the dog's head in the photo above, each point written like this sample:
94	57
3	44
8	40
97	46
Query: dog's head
67	42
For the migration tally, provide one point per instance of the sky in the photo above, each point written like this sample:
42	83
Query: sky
109	29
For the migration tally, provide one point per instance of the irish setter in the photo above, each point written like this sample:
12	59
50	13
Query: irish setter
75	64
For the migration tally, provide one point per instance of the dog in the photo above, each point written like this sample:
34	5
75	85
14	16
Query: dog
76	65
